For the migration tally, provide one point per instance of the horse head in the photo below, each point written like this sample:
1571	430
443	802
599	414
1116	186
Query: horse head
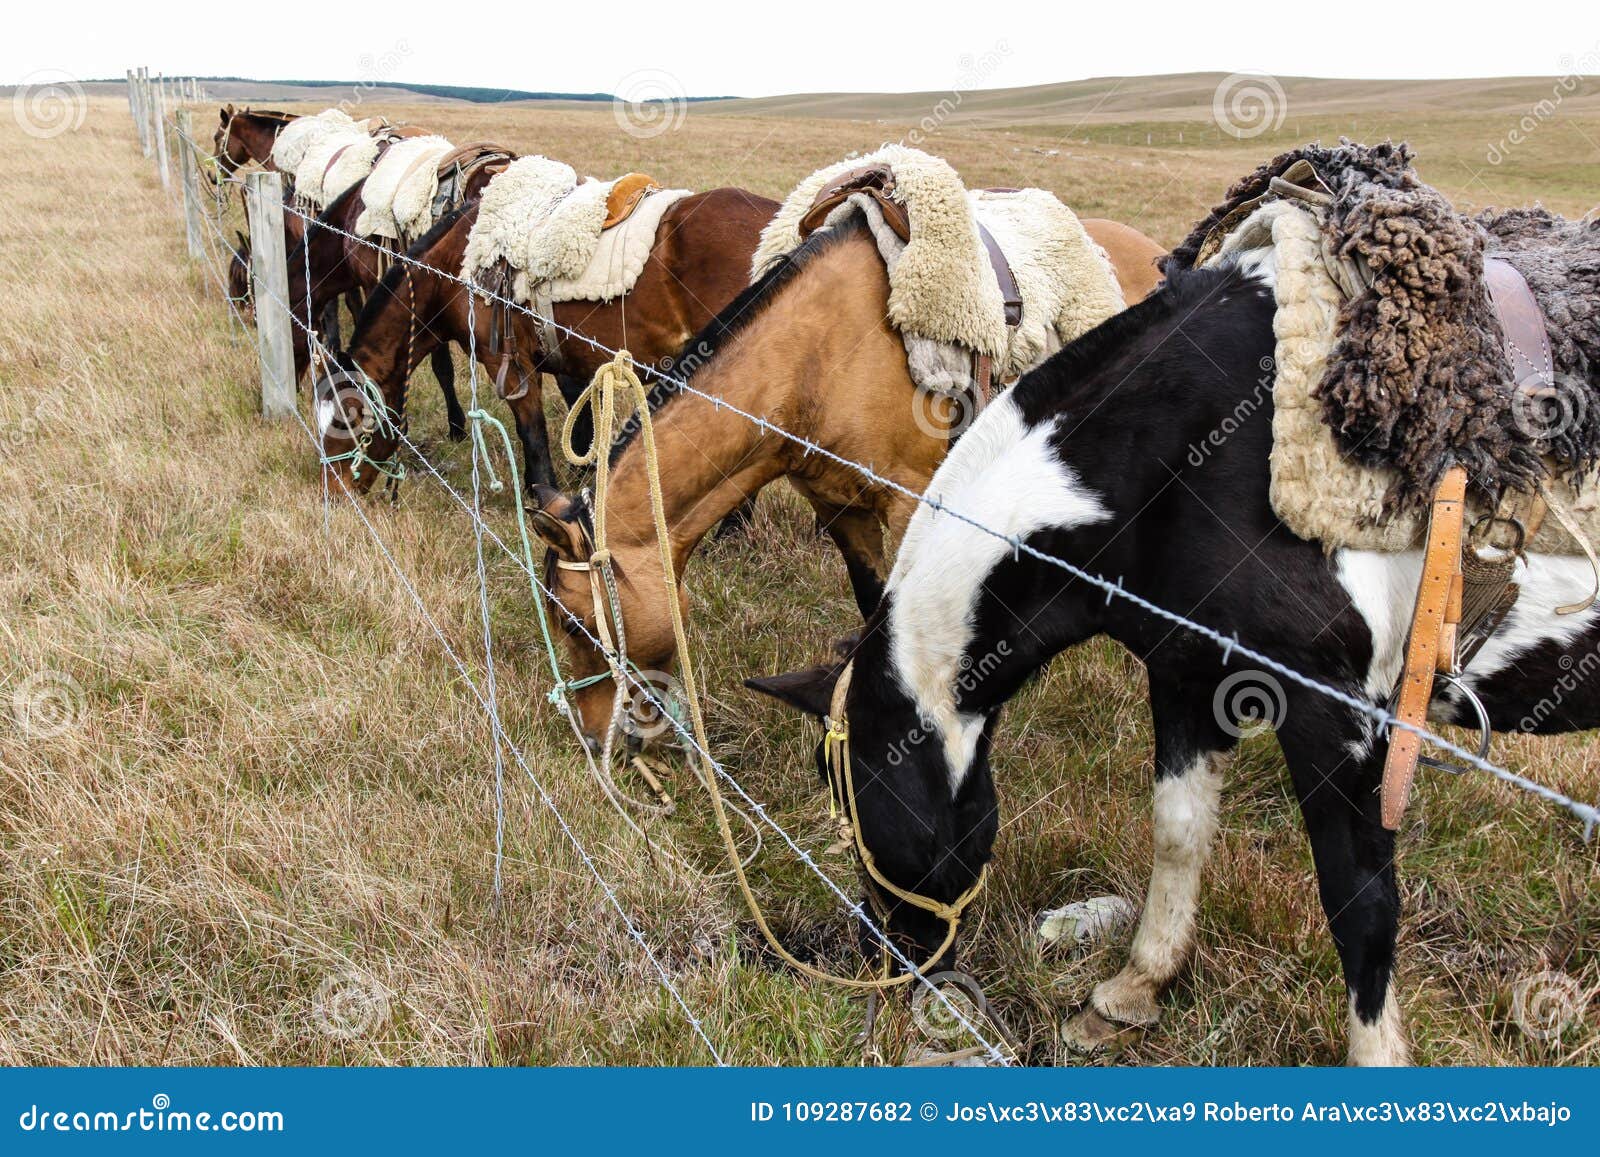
636	620
919	797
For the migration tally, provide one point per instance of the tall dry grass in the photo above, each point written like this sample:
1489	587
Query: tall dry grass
247	807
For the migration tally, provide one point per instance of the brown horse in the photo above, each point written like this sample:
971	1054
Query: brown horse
341	266
699	263
808	348
246	135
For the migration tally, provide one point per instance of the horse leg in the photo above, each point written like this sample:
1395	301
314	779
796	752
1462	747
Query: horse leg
328	326
583	428
1191	755
532	432
859	537
444	372
1336	765
737	523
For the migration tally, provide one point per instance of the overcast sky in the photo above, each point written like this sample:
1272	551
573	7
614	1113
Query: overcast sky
758	48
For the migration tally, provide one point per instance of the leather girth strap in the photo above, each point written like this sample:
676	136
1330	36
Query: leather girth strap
1431	645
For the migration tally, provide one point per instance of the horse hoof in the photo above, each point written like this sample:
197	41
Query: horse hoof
1090	1034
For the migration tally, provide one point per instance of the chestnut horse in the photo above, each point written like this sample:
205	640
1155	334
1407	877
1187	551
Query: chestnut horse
342	266
810	349
699	263
245	135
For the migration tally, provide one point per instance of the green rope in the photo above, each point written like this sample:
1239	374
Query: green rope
558	693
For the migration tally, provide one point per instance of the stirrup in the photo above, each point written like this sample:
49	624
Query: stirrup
1486	734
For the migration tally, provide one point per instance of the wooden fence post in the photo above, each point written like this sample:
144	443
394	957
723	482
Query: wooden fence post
142	86
188	173
269	273
149	114
161	134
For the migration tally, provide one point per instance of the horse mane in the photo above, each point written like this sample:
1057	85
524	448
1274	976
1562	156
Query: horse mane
325	219
389	286
1072	375
734	318
269	114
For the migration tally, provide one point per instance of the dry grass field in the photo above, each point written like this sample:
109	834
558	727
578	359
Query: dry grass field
247	807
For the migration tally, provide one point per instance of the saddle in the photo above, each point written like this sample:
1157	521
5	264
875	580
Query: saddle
877	181
1466	589
626	193
457	168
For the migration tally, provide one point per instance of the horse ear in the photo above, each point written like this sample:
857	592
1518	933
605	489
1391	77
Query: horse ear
554	518
810	690
224	113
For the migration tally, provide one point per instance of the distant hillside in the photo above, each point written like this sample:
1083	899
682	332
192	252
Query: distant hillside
288	91
1178	97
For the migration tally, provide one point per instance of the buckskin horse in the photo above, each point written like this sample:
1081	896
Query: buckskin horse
699	262
809	348
1089	459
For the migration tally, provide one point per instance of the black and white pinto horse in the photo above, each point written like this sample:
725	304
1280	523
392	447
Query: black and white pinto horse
1090	458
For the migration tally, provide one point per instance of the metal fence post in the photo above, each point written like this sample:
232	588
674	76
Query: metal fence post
269	272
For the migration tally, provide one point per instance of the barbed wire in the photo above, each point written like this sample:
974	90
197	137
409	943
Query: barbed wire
1228	644
489	703
852	907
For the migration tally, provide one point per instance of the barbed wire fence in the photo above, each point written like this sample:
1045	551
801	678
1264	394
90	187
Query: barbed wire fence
274	316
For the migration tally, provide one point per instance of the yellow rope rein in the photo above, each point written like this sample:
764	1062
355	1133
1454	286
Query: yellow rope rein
600	397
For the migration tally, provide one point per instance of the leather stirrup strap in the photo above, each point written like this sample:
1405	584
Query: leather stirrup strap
1432	643
1009	293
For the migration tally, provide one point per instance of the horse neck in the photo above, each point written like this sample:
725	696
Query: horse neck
259	134
713	457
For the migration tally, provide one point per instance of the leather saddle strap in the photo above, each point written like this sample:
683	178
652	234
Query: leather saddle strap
1522	324
1003	275
332	161
1431	645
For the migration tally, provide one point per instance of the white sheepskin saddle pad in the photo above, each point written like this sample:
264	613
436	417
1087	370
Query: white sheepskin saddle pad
289	150
1320	494
397	200
547	226
618	255
334	162
943	295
